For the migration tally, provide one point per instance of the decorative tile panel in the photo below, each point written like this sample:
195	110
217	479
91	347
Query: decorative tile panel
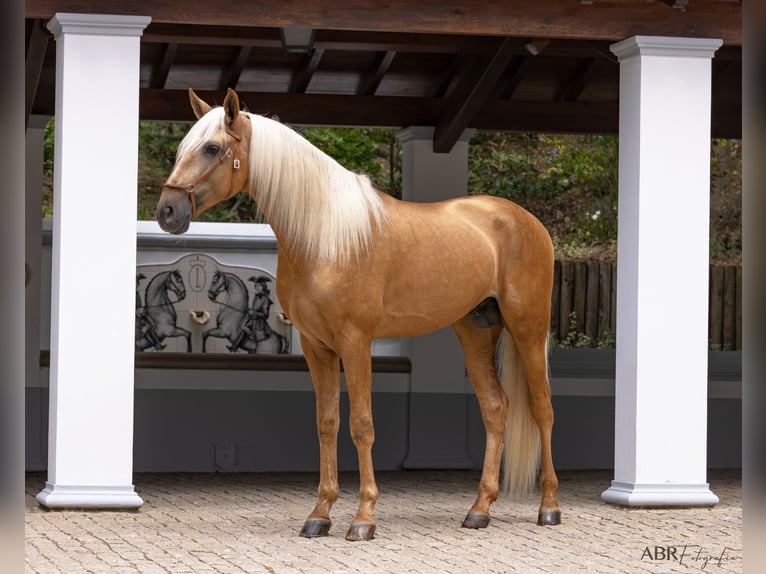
200	305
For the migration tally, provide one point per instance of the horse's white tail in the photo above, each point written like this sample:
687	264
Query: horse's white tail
522	437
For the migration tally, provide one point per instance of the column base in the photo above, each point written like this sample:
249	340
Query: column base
95	497
631	494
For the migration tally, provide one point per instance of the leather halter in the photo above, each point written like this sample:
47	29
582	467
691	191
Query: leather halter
231	151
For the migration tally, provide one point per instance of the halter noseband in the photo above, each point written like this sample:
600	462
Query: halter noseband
231	151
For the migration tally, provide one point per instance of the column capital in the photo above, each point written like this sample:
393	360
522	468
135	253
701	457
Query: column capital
97	24
665	46
38	121
414	133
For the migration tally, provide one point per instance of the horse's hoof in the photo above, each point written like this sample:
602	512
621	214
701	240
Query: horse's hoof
315	527
476	520
549	517
361	531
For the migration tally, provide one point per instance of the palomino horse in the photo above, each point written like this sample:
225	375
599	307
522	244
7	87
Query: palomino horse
158	315
355	264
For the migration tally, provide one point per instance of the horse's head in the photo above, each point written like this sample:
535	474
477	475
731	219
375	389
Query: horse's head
217	285
175	283
211	163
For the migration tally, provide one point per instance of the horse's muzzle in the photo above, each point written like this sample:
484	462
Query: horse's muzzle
172	216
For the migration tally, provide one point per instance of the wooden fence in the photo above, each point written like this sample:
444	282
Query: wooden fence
584	306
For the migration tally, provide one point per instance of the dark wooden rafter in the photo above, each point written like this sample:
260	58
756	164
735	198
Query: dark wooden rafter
369	83
34	60
512	78
444	80
602	52
162	69
302	78
475	88
571	89
395	111
231	75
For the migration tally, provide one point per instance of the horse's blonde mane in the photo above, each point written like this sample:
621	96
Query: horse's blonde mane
320	209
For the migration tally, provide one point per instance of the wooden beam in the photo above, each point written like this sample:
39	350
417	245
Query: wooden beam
344	40
473	92
37	46
614	20
302	78
370	82
397	112
160	73
677	4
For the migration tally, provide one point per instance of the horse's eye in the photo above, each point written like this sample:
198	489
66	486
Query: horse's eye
212	149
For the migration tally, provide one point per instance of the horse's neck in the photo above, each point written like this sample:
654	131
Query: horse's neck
236	294
156	291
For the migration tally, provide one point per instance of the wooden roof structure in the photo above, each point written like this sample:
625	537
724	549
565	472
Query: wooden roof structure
526	65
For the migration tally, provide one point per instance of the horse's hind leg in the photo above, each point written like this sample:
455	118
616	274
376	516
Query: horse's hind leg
325	375
479	345
530	336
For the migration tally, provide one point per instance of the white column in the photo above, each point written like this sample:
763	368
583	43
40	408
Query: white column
90	458
662	278
439	387
34	159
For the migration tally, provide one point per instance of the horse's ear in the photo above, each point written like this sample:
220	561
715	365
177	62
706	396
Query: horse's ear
199	107
231	105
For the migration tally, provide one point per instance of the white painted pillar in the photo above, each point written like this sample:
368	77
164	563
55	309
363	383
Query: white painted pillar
662	278
90	449
34	159
439	386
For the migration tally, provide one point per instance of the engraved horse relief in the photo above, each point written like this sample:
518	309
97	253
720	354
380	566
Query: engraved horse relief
156	316
246	326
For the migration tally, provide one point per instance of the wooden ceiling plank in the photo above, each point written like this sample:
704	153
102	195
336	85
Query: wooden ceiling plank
370	82
474	90
613	21
162	70
302	78
231	75
34	60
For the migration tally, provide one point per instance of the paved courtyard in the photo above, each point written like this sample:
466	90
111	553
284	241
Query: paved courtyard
242	523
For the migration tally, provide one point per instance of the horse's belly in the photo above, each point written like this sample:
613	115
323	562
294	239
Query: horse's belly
428	296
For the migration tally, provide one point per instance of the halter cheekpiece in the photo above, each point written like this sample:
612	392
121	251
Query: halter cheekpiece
231	151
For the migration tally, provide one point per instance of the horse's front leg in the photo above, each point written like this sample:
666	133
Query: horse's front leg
358	368
179	332
325	375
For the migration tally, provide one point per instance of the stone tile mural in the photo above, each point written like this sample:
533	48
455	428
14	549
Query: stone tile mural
197	304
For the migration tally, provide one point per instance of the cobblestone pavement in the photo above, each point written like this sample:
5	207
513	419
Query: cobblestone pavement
239	523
